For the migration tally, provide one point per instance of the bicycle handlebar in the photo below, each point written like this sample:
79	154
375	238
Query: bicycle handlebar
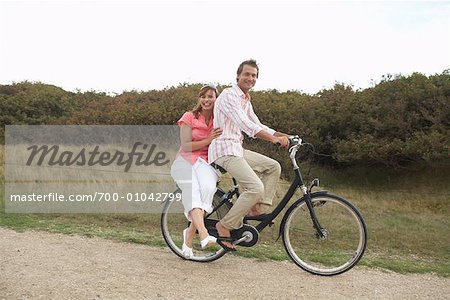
294	141
294	144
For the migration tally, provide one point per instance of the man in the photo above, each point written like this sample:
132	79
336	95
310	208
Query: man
233	114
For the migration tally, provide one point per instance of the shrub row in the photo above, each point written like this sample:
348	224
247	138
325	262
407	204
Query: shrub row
400	120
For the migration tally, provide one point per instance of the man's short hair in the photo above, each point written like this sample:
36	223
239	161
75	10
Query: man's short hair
250	62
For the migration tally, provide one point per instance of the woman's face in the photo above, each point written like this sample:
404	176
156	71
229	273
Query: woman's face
207	100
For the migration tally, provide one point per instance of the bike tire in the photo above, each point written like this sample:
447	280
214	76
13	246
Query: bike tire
173	221
345	241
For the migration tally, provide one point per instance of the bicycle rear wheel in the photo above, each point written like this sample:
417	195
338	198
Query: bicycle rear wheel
173	221
345	235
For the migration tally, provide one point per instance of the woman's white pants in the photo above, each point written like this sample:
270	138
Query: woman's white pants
198	183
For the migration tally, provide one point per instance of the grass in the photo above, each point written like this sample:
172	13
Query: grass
407	215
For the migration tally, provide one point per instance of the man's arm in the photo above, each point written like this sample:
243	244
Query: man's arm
231	107
254	118
280	134
267	133
276	138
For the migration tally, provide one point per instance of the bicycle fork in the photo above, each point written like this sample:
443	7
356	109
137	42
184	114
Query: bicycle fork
321	233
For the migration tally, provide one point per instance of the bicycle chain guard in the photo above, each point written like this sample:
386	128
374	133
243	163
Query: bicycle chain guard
247	230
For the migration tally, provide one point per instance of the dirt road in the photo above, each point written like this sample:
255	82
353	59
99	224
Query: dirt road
39	265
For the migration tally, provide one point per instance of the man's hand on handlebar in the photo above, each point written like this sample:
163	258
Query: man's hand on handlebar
283	141
278	138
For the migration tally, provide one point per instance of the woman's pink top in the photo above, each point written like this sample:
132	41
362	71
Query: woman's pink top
200	131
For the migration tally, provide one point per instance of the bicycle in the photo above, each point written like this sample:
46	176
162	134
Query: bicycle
323	234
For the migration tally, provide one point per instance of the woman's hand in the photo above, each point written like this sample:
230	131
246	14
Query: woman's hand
216	132
188	145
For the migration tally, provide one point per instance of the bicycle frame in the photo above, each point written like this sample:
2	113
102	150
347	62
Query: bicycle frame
296	183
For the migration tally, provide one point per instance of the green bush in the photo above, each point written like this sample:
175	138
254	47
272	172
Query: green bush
400	120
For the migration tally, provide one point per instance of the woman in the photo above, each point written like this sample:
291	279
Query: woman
195	177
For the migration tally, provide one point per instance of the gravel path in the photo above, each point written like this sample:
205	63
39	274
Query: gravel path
40	265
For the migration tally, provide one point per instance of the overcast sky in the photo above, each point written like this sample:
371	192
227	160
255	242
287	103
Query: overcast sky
112	46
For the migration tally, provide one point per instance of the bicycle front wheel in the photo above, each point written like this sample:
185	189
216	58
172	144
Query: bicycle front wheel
173	222
344	240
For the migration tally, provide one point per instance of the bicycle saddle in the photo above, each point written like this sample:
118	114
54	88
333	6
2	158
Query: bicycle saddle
219	168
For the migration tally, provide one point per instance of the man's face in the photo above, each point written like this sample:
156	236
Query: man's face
247	78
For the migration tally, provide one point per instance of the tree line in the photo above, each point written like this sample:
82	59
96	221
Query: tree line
401	120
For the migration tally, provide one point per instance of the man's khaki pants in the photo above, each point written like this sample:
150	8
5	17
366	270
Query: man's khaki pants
257	176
